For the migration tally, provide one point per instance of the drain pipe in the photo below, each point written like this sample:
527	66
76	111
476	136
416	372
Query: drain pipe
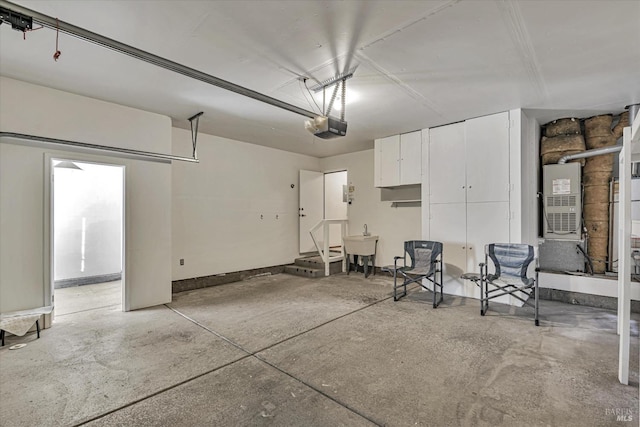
590	153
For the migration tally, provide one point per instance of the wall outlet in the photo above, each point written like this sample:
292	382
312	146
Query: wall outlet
181	261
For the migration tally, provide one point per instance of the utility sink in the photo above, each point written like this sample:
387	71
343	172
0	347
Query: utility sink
360	245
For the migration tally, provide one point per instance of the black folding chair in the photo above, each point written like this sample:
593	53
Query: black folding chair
425	263
511	261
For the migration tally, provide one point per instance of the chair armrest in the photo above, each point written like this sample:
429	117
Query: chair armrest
395	258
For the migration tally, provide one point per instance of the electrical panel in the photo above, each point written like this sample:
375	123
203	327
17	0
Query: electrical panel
562	193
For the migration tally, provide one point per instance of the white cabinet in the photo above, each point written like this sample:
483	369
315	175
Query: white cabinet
468	207
411	158
398	160
487	151
448	225
447	161
386	157
464	230
469	161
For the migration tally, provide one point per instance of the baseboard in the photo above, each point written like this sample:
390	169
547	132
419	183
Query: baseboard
589	300
89	280
222	279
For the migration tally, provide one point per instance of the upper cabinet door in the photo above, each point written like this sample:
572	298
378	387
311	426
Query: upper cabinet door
387	158
488	158
447	164
411	158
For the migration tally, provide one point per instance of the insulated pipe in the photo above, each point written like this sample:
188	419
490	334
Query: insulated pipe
590	153
633	112
95	38
137	153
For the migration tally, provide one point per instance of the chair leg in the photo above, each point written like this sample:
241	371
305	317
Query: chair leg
395	284
2	336
537	299
38	327
482	298
365	265
437	285
347	260
435	291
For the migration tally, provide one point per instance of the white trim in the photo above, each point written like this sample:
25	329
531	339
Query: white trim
49	157
591	285
624	267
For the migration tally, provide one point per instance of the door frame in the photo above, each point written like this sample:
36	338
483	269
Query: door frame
324	198
324	173
48	249
301	208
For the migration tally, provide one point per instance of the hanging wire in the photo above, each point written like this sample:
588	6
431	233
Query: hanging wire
57	54
304	81
311	95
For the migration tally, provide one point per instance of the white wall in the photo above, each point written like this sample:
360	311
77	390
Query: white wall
524	137
24	203
393	225
217	206
87	221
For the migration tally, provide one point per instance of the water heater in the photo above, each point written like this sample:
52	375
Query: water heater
562	192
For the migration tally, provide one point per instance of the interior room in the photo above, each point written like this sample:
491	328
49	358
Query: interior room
319	212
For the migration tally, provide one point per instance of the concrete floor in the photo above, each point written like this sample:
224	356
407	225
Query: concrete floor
285	350
88	297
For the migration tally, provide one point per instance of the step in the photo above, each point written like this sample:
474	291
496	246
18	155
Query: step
317	263
298	270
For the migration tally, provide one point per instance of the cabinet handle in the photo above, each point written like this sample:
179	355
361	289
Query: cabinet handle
463	247
470	248
469	186
463	186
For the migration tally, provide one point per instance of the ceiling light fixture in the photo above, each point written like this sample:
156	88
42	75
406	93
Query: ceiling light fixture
66	164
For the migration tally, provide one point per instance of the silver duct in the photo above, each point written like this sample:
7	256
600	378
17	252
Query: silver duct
590	153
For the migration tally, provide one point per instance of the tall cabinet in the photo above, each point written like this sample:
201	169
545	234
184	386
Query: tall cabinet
469	193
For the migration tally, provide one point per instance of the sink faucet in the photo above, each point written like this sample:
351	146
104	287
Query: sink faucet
366	233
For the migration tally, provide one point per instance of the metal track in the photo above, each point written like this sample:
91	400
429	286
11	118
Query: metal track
136	153
89	36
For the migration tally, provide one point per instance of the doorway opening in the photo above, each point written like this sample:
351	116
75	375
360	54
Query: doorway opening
335	204
87	236
322	196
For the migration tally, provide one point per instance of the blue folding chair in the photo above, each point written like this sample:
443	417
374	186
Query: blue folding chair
511	261
425	263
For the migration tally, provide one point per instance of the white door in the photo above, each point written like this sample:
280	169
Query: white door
411	158
387	161
487	144
486	223
448	225
447	164
311	209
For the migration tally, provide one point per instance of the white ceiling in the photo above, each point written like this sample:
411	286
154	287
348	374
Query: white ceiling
420	63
